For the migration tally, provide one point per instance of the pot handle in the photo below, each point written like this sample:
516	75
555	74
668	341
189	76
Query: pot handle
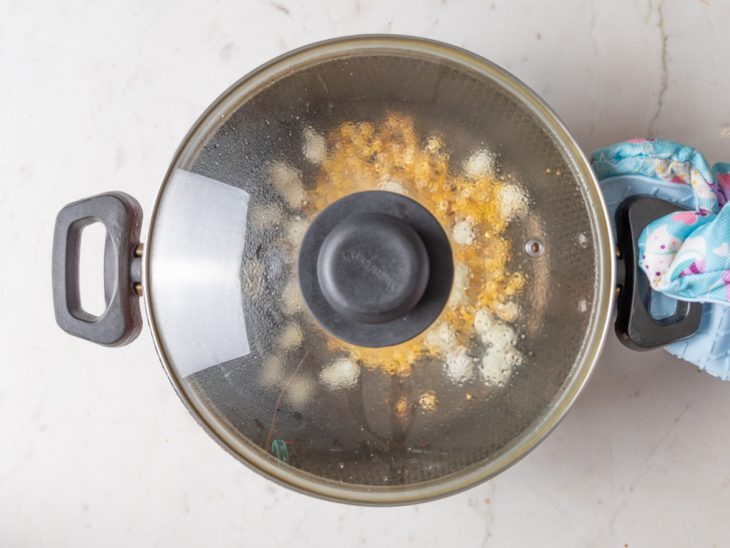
121	322
635	326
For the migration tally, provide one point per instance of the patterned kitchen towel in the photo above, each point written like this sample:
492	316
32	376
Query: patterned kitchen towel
686	255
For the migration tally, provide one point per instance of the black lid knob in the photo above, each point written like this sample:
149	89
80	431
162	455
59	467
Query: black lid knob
372	268
375	268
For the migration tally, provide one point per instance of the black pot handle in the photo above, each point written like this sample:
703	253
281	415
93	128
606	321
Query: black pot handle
121	322
635	326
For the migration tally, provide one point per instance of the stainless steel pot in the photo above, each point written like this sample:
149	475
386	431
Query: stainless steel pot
379	270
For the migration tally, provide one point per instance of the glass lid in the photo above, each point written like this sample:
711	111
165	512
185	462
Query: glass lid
378	270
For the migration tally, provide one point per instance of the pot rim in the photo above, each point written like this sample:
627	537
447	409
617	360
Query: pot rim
304	482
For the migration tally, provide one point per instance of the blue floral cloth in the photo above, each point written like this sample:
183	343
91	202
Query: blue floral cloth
686	255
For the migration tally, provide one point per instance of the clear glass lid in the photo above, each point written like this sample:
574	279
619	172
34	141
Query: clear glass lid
431	355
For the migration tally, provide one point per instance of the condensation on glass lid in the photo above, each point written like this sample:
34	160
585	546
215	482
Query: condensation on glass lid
476	337
502	353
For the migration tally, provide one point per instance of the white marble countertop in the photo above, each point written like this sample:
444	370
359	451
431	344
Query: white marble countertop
96	449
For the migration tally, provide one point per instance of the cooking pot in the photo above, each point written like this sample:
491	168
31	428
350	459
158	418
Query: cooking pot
379	270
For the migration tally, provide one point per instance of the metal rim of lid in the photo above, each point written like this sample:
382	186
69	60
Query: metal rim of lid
254	456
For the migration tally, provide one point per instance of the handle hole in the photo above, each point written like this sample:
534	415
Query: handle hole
662	307
91	269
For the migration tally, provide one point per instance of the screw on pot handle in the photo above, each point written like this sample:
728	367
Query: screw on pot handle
121	322
635	326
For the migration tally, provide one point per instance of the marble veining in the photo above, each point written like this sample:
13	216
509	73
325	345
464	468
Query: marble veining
664	78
